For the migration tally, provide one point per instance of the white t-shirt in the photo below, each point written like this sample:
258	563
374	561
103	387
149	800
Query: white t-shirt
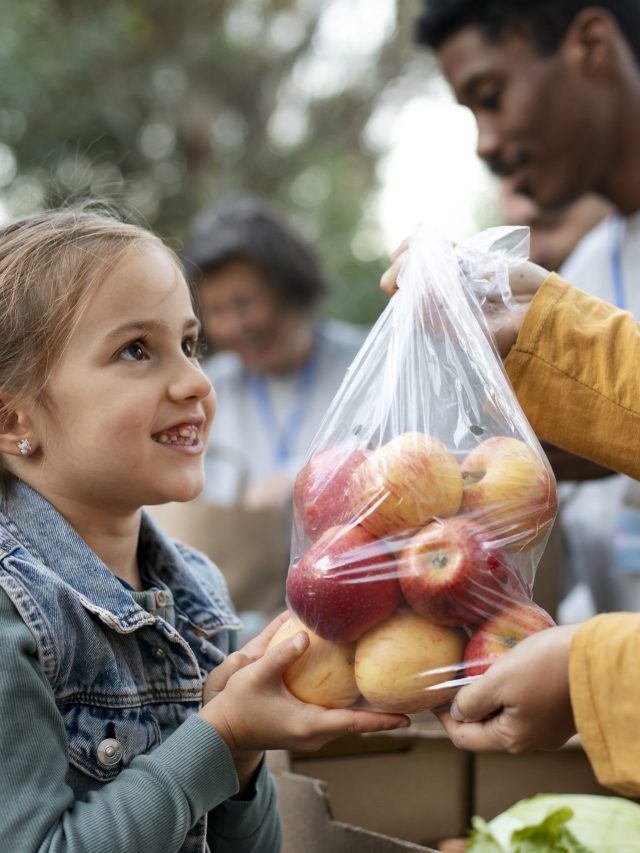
590	509
242	442
589	266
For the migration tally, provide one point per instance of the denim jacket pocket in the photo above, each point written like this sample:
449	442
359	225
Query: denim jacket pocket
102	741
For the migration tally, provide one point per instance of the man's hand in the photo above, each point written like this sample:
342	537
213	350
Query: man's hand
504	322
521	703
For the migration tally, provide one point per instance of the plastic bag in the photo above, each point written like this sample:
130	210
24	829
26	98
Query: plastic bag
425	501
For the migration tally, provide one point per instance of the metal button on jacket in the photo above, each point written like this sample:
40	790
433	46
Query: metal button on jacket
159	653
109	752
162	599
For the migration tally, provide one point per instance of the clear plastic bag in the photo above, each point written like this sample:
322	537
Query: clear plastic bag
425	501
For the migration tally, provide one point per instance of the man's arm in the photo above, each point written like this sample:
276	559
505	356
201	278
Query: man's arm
575	367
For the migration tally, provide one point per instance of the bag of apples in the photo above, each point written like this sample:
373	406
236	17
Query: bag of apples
425	501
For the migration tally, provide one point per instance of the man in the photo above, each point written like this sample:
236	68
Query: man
555	89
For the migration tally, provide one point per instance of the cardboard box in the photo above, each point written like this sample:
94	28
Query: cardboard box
410	789
410	785
500	780
309	825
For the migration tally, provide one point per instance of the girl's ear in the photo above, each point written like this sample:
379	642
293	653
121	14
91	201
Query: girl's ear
16	430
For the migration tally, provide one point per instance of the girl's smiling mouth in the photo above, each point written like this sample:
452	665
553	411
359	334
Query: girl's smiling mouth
180	435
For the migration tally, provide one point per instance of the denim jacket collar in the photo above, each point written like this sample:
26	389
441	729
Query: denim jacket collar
29	520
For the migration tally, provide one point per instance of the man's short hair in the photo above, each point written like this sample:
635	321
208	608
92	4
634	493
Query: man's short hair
543	22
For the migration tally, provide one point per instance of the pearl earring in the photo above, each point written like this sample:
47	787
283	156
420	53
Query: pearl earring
24	446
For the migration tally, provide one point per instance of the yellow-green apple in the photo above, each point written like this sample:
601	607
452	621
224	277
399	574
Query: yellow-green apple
407	663
404	483
321	489
500	633
450	574
510	491
324	675
346	582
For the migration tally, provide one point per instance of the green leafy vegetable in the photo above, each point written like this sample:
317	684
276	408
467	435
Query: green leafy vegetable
561	823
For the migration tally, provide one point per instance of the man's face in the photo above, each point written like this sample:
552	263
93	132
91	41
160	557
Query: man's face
540	121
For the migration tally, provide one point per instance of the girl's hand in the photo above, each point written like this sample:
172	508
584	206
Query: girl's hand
250	652
255	711
521	703
504	322
218	678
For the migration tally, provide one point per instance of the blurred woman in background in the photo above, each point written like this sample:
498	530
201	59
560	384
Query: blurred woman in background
276	364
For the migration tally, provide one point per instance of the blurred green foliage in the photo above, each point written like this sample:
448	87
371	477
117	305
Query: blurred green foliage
167	107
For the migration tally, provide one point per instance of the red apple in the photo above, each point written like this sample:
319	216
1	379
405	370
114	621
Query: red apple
449	573
407	663
345	583
321	489
404	483
502	632
510	491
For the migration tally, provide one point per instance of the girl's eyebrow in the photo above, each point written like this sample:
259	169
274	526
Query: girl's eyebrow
144	327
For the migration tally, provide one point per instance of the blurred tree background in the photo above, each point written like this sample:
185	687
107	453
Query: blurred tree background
167	107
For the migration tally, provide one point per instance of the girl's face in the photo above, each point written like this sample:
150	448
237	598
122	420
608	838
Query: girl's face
128	408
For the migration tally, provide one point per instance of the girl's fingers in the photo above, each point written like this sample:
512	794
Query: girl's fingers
279	658
340	722
256	647
218	677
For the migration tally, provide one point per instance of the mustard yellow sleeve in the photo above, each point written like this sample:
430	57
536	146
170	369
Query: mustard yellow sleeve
604	670
576	371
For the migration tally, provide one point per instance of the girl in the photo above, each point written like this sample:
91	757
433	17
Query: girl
127	722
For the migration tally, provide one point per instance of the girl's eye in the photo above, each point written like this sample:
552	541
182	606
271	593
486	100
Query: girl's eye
192	347
133	352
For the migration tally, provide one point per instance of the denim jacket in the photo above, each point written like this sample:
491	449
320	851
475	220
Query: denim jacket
126	668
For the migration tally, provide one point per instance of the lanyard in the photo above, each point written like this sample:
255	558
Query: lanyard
615	259
288	432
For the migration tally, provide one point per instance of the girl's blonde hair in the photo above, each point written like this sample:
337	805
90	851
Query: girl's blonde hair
50	265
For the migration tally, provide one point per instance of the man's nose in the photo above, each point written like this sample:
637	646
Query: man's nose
488	144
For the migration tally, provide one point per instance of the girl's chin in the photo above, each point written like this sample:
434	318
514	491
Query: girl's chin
182	493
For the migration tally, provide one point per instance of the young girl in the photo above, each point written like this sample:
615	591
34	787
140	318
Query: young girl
127	722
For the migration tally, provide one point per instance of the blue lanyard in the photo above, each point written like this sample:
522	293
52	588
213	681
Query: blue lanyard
615	258
286	435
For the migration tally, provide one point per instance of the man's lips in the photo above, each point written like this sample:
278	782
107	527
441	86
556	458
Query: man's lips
508	168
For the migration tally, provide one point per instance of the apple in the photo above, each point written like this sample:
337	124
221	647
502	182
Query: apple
406	663
324	675
449	573
509	490
504	630
346	582
321	489
404	483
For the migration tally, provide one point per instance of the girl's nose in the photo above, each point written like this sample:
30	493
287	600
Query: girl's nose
190	381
